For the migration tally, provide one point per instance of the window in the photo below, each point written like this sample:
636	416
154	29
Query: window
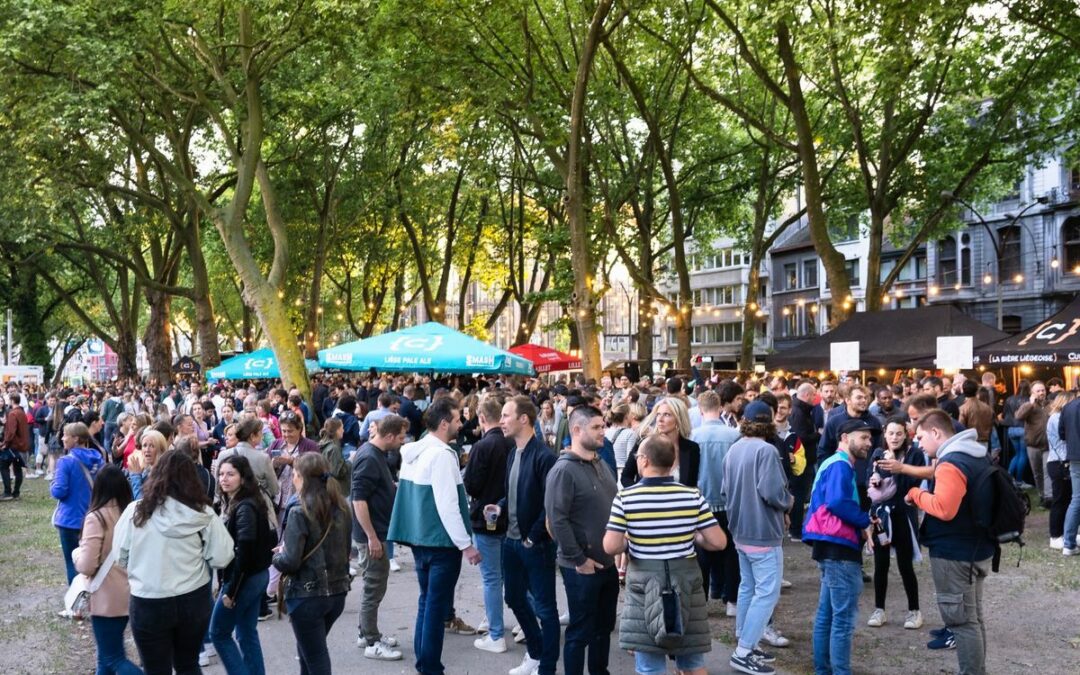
1011	323
809	273
1011	248
847	230
1070	243
920	266
947	262
852	267
790	315
887	267
791	277
811	320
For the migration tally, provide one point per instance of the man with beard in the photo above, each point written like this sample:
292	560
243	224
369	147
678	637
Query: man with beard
578	497
835	528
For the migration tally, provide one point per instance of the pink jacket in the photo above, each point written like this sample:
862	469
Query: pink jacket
94	546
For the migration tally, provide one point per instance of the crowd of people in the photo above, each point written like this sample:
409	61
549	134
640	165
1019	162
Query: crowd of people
194	510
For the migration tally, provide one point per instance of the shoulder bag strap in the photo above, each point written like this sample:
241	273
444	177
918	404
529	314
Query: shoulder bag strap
321	540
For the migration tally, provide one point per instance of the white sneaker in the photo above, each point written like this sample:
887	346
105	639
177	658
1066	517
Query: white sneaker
774	638
1057	543
564	619
519	635
385	640
914	620
381	652
1070	551
528	666
204	659
784	583
488	645
732	610
877	619
483	628
210	649
394	566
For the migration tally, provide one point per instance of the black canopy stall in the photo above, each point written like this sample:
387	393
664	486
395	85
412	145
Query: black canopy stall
1055	341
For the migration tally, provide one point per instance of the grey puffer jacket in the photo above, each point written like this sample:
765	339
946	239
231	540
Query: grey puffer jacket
642	619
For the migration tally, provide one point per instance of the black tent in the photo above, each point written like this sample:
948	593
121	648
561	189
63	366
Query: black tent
1054	341
898	338
186	365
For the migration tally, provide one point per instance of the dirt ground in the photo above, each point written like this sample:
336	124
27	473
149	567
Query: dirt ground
1033	611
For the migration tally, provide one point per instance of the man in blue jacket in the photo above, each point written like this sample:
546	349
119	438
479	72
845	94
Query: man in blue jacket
529	552
1069	429
835	529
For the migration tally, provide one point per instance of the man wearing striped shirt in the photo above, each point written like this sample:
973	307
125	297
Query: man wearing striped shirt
660	520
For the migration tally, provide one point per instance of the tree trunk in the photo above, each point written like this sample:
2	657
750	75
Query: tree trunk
646	326
749	319
313	315
157	337
399	299
874	289
205	320
28	321
126	355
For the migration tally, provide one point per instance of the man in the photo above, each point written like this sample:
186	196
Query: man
731	399
16	441
410	411
719	569
1034	415
856	406
960	553
110	411
835	527
829	400
578	500
372	494
934	385
485	483
974	414
802	425
757	499
387	401
1069	429
427	516
528	552
883	406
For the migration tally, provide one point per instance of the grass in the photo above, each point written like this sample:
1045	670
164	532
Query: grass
33	584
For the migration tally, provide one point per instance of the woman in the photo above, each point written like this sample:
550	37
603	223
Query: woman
315	555
285	451
623	438
330	447
670	418
152	445
131	439
546	420
202	433
72	486
888	484
1019	463
228	417
1058	469
244	581
109	603
168	541
124	422
265	411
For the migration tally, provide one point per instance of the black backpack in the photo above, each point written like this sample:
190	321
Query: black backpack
999	508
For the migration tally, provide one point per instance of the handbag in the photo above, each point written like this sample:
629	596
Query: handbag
671	602
77	597
285	577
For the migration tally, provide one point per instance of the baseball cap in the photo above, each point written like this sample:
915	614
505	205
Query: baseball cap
757	411
852	426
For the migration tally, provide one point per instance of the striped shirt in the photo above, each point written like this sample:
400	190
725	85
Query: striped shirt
660	518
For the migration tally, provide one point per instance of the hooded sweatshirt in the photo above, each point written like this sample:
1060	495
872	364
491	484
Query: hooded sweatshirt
577	500
431	508
172	553
72	485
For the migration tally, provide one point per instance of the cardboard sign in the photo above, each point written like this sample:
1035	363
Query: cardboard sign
954	352
843	356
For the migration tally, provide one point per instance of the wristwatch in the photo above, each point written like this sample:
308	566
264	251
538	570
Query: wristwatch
526	542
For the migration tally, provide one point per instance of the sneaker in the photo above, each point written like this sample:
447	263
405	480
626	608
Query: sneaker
49	476
394	566
877	619
784	583
458	625
204	659
1057	543
763	656
381	652
209	649
519	635
484	628
732	610
1070	551
793	538
564	619
938	632
750	664
528	666
488	645
774	638
914	620
265	613
6	498
946	641
385	640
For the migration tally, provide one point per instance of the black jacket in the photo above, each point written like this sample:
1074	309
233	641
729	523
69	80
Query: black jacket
485	479
1069	429
536	461
326	570
689	464
253	543
802	425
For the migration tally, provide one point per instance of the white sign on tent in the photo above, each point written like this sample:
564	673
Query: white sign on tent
843	356
955	352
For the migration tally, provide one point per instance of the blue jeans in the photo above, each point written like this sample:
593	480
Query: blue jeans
1072	515
437	570
838	607
529	578
1018	463
109	636
593	599
647	663
69	541
311	620
490	547
759	591
247	658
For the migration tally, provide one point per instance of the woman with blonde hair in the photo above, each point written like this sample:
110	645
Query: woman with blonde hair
669	418
152	444
1058	469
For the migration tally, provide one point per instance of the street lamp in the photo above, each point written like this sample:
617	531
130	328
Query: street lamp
996	243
